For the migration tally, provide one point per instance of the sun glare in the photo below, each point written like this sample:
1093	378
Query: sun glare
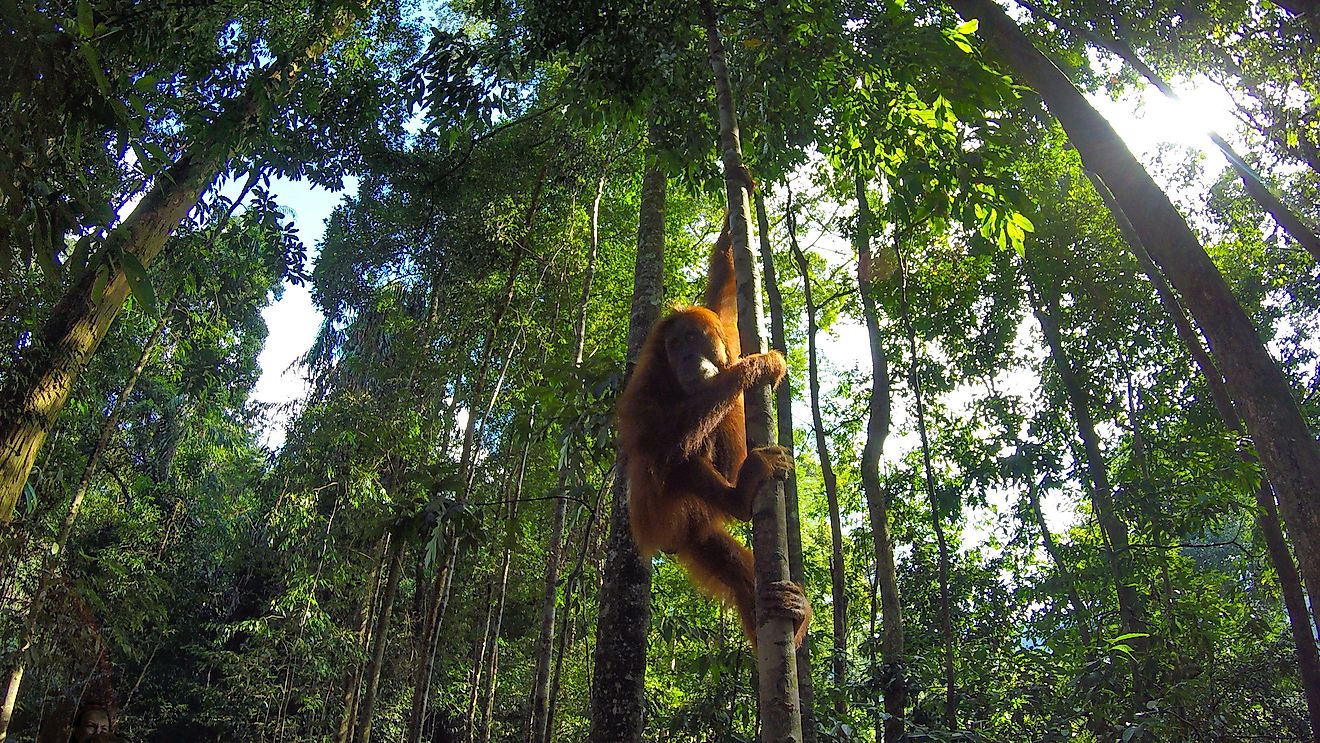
1149	119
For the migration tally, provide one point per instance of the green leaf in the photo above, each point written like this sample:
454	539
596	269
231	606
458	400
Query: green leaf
98	286
85	23
140	284
968	28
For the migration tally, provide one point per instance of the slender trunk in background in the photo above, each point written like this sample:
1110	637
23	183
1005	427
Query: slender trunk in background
379	639
538	725
784	415
53	558
1267	515
870	269
619	673
838	588
936	518
1255	185
362	620
492	649
34	396
1261	392
467	454
777	675
1118	553
1080	610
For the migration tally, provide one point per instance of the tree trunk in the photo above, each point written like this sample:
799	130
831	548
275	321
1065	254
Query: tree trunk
33	398
53	558
492	641
1290	584
838	587
784	414
540	712
362	619
1118	554
1263	396
379	639
1056	556
619	674
936	518
877	500
781	713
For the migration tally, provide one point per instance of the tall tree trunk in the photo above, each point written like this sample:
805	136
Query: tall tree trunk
362	620
491	651
781	713
379	639
53	558
1286	218
619	674
936	518
1267	515
1118	553
838	587
1261	392
538	725
877	500
784	415
34	396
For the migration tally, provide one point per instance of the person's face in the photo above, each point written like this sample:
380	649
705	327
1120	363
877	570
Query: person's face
93	722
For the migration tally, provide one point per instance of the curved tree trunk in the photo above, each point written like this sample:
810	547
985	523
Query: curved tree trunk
784	415
1290	584
877	500
1261	392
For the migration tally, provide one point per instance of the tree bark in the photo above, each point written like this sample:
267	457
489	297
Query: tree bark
1276	546
619	673
47	370
379	639
936	519
1261	392
877	500
53	558
784	415
492	649
1118	553
781	713
838	587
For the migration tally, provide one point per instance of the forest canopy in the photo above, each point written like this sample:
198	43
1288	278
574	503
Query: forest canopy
1052	399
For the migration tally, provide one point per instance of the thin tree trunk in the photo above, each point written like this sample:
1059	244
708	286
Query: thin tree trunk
1261	392
538	731
492	643
53	558
838	587
1118	553
362	620
33	399
781	713
380	637
1290	584
619	673
784	413
877	500
1056	556
1254	183
936	518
